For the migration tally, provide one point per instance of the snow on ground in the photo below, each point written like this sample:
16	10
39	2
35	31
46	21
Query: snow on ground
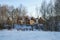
28	35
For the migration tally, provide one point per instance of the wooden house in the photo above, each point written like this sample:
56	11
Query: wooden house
41	20
32	21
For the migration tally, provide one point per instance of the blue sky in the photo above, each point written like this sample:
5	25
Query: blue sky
29	4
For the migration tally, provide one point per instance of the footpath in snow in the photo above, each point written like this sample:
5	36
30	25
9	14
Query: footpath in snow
28	35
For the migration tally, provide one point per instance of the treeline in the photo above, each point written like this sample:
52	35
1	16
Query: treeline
51	13
9	14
